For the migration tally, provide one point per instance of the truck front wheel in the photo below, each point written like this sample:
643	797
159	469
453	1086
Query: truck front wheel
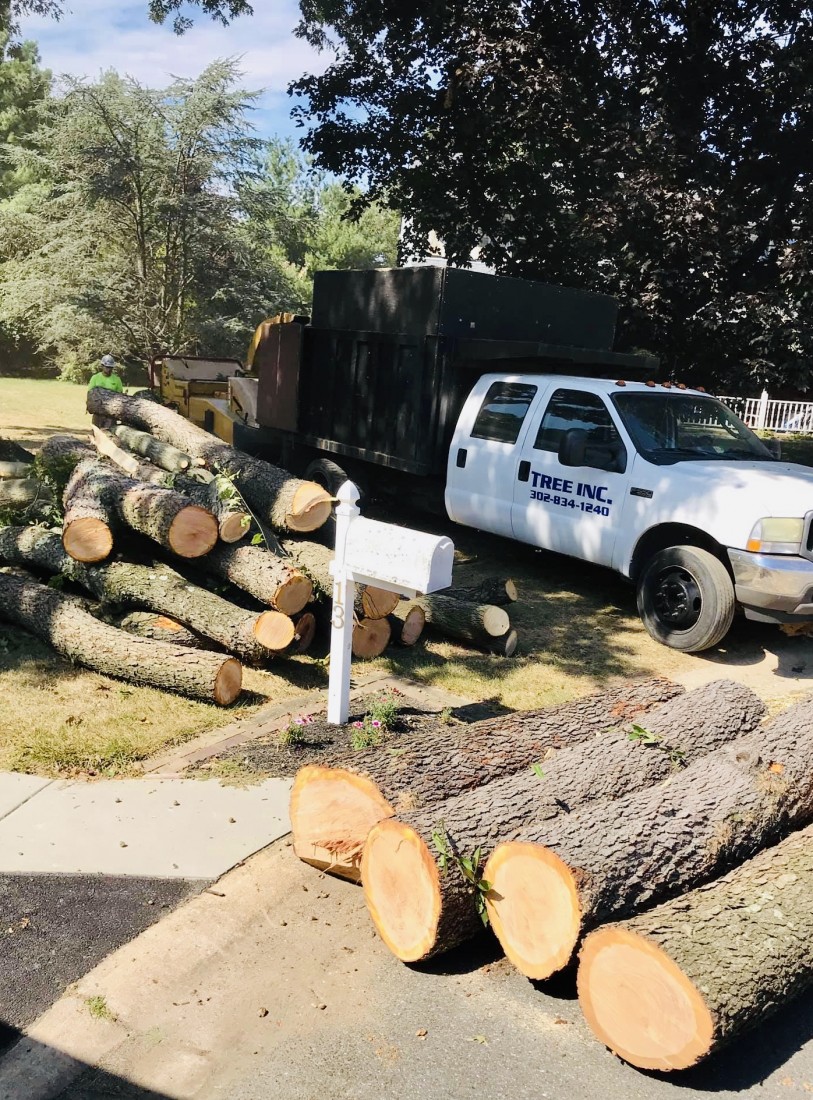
327	474
686	598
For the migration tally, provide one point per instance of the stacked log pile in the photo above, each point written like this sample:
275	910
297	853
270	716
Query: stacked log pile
655	832
152	493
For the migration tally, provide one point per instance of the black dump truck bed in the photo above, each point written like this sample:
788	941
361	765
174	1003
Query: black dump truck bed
390	355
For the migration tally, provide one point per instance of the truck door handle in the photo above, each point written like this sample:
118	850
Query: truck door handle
462	455
524	471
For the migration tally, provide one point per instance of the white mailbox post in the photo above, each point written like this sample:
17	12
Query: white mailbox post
380	554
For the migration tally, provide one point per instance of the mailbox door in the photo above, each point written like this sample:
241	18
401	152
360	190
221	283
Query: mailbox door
485	451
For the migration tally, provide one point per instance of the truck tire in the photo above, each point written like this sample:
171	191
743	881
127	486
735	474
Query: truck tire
327	474
686	598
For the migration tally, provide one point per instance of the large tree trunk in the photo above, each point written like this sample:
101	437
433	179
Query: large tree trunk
157	588
22	492
285	502
314	560
15	470
471	622
423	905
271	580
160	454
494	590
163	515
333	809
63	624
556	881
669	987
146	624
88	520
201	486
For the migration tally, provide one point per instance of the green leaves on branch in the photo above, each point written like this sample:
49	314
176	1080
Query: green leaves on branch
468	866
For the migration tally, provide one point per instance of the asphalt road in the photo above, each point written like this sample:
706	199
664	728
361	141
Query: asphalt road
55	928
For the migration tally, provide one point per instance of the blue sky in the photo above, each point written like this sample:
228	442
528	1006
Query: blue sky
95	35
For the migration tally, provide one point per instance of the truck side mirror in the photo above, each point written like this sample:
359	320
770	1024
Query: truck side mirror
774	446
572	447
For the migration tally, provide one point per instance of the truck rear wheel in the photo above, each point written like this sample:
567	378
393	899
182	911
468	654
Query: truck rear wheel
327	474
686	598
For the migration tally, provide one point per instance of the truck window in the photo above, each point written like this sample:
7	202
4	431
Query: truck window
503	410
575	409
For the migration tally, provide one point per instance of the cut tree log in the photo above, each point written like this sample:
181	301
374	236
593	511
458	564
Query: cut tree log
284	501
201	486
15	470
492	590
305	632
333	809
250	636
271	580
163	515
420	902
60	454
479	624
667	988
60	621
22	492
556	881
154	450
314	559
407	623
505	646
146	624
88	521
370	638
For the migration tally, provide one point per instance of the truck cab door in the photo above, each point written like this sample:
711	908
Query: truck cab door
484	454
571	483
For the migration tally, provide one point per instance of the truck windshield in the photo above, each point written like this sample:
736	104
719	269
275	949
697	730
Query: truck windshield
678	427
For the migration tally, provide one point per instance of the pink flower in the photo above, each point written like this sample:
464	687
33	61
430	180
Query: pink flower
358	725
376	723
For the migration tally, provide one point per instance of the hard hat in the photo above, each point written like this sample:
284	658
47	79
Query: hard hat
108	361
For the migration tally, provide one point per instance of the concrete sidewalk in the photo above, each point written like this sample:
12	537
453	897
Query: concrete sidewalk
165	828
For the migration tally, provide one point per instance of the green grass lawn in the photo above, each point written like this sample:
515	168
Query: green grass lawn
32	409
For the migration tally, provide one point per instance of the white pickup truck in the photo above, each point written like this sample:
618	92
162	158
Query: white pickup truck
663	484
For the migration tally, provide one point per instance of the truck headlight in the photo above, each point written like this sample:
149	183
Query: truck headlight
776	535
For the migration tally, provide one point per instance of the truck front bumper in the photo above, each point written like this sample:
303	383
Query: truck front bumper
773	588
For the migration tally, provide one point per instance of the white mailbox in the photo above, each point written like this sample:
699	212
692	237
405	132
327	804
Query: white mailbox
386	556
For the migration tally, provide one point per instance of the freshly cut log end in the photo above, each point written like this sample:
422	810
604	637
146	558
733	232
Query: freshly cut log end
294	594
305	632
640	1004
193	532
88	540
310	509
371	637
332	811
234	526
274	630
529	879
402	889
505	646
378	602
228	682
408	627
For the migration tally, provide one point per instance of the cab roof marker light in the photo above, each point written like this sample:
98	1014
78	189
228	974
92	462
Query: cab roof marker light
620	382
666	385
651	384
700	389
681	385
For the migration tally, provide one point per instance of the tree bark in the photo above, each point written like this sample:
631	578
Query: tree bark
333	809
476	623
285	502
707	966
21	492
305	628
406	623
87	520
59	455
492	590
15	470
157	588
72	632
403	863
163	515
560	879
160	454
271	580
107	445
314	559
146	624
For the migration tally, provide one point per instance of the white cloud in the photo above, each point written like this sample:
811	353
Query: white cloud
95	35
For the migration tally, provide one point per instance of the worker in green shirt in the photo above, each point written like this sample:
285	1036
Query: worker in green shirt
105	377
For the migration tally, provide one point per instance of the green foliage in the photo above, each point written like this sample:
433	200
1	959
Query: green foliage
468	866
646	737
660	153
366	734
98	1008
537	770
384	711
292	736
24	87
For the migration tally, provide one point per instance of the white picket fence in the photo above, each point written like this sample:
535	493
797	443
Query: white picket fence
776	416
